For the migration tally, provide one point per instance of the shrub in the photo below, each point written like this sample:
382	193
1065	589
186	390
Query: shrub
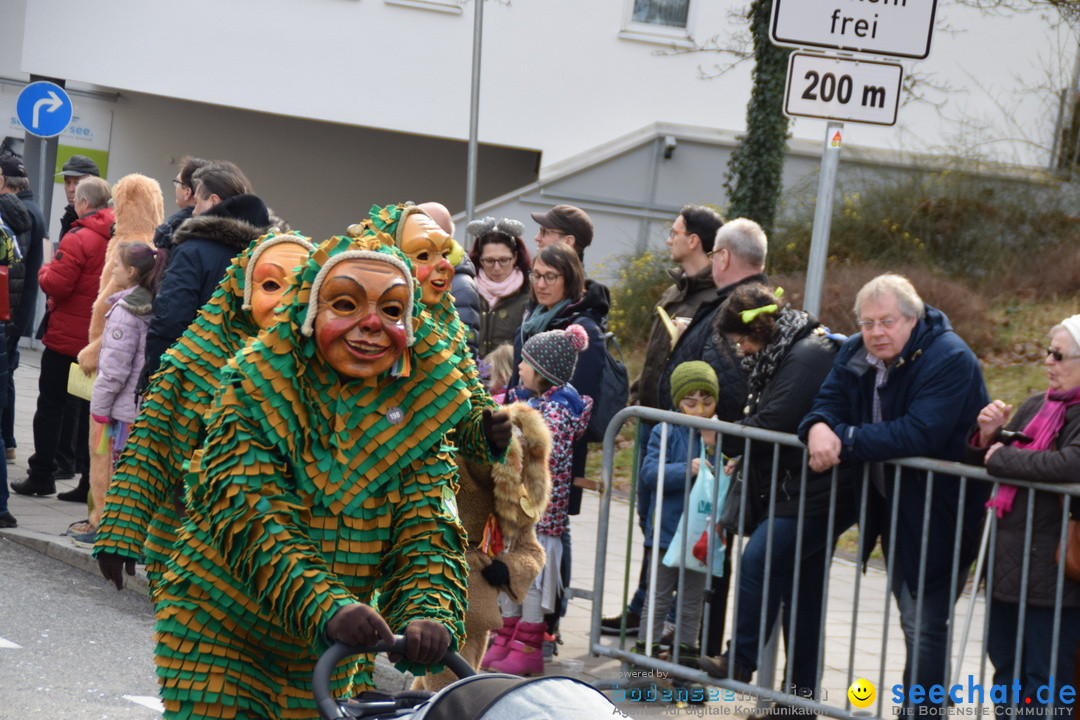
965	308
641	280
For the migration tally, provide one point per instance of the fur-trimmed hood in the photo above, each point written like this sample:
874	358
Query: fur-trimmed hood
516	491
230	232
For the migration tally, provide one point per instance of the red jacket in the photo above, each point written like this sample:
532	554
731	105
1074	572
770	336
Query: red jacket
72	279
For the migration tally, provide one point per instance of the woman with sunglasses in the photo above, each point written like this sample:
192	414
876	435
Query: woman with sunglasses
1046	451
502	279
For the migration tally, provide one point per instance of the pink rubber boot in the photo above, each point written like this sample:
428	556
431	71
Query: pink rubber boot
500	644
526	654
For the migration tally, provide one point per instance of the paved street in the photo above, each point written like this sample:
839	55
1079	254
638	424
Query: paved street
42	520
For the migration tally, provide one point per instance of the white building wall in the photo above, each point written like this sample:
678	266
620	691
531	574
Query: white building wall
557	75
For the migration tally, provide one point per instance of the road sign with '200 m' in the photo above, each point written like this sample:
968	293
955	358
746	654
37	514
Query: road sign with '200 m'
843	89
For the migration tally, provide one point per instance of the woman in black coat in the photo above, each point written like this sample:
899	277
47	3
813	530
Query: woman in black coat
787	355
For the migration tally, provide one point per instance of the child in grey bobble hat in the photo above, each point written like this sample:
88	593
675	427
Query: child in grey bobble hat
548	362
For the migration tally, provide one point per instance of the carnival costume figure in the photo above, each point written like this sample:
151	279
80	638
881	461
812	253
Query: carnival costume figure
324	480
146	496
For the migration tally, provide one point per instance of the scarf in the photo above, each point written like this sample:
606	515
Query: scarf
1043	430
494	291
761	366
537	319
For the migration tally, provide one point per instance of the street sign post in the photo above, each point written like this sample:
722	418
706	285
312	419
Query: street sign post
844	89
898	28
44	109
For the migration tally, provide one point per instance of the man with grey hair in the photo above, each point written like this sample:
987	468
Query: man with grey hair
71	281
736	257
906	385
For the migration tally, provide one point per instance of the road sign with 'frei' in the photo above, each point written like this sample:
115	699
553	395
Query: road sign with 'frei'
44	109
898	28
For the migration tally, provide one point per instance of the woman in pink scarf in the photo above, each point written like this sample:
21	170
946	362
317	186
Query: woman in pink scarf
1050	453
502	279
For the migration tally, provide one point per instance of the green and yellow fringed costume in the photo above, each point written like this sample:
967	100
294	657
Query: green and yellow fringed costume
469	435
310	493
141	508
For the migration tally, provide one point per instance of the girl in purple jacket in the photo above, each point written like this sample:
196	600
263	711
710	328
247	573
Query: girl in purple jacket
114	402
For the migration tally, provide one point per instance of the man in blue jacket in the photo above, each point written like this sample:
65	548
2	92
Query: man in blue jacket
907	385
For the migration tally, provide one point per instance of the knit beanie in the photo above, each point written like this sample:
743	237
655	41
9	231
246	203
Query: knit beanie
554	353
1072	324
693	375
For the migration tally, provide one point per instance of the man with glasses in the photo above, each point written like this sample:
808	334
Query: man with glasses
906	385
690	241
184	187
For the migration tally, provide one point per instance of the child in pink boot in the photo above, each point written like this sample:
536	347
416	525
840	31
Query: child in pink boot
548	360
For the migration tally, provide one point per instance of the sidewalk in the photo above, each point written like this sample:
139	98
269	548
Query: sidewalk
43	519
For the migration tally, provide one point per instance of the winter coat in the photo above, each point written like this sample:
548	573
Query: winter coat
675	480
138	208
680	300
1057	465
566	413
499	323
17	218
785	399
163	233
590	312
32	258
467	301
202	249
932	396
71	281
701	341
123	350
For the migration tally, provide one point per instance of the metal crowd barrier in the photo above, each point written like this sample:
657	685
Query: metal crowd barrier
874	650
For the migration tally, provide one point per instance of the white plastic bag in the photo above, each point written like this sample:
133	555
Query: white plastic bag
700	519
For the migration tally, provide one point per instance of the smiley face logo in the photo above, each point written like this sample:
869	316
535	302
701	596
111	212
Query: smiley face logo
862	693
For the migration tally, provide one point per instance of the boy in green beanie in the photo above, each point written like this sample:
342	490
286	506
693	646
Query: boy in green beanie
694	391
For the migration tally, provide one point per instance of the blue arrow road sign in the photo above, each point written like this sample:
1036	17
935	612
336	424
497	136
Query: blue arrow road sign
44	109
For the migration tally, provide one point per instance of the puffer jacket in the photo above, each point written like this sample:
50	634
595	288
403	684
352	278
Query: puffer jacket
682	299
675	480
932	396
202	249
701	341
71	281
123	350
467	301
1056	465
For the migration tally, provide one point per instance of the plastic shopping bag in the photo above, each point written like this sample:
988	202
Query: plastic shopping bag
699	521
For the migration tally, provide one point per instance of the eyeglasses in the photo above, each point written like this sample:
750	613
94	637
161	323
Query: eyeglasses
886	323
1059	356
713	252
177	182
552	231
548	278
492	262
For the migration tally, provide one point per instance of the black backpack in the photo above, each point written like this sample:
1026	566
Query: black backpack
614	391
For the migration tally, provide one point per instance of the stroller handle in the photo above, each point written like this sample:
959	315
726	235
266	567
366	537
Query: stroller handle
320	678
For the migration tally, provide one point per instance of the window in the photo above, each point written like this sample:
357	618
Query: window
668	13
659	22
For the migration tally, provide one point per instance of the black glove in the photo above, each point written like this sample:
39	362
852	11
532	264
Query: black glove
358	624
497	574
426	641
497	429
113	566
